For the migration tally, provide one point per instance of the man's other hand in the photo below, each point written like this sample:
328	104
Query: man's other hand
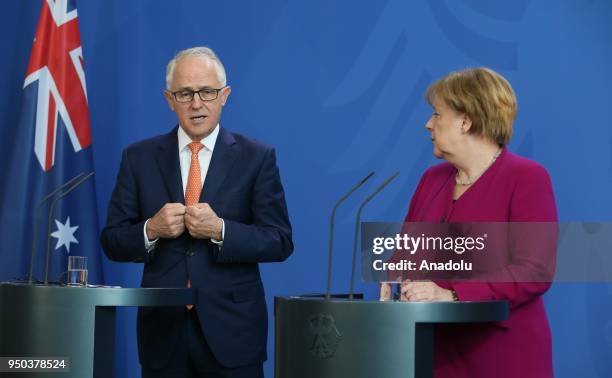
202	222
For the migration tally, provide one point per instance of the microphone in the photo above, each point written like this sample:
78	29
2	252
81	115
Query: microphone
331	230
357	220
81	180
37	221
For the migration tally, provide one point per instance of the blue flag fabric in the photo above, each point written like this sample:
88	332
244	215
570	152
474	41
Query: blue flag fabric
52	147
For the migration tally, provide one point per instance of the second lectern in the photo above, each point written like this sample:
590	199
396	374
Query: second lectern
365	339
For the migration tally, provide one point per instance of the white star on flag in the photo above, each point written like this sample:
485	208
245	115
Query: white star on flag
64	234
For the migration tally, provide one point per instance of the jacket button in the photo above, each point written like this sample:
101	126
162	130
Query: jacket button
190	253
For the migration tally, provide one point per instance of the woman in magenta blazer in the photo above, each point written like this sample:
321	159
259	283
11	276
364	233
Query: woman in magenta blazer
481	181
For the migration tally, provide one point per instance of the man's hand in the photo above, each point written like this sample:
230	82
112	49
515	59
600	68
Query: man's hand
424	291
168	223
202	222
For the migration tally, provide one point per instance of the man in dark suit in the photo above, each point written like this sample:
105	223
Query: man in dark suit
201	206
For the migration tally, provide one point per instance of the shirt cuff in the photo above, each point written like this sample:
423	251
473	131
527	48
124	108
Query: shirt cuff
149	244
220	242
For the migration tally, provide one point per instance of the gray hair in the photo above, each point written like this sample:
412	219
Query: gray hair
200	51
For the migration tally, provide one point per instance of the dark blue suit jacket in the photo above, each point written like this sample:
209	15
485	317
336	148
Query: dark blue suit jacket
243	187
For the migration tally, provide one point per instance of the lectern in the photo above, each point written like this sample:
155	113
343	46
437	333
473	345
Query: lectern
334	338
73	322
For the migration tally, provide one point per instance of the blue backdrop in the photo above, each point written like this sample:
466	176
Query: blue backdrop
337	87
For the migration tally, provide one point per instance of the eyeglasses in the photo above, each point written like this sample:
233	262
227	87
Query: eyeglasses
206	94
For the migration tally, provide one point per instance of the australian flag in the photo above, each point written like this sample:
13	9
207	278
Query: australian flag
48	201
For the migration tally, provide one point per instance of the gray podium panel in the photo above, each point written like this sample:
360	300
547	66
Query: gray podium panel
73	322
364	339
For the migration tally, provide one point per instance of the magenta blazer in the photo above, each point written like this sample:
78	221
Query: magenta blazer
513	189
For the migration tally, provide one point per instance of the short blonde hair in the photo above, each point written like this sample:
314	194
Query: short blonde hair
484	95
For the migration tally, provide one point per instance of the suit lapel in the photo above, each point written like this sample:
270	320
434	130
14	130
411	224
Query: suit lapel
223	158
168	162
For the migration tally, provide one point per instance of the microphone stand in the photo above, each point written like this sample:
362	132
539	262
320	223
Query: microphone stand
357	220
51	207
331	230
37	222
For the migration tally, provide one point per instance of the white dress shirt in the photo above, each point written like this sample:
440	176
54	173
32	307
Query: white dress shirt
204	157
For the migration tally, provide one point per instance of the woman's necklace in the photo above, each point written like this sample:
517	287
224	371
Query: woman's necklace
470	181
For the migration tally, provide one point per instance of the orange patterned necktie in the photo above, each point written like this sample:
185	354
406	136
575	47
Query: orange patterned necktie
194	180
194	186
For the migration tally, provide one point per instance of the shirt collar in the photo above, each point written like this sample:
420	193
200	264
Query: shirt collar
208	142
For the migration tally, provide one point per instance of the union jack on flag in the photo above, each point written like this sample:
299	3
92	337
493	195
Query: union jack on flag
53	145
56	64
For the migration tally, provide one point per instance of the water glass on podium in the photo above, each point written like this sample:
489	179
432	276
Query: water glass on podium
77	271
390	291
